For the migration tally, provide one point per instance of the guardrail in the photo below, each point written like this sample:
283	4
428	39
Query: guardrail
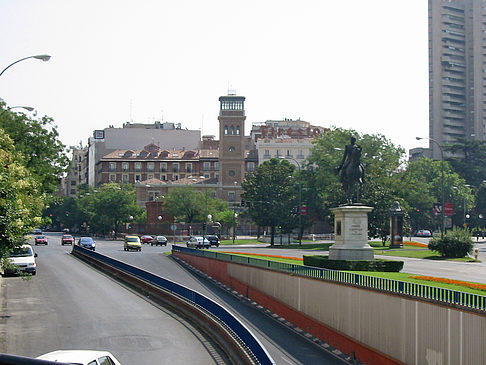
469	300
197	299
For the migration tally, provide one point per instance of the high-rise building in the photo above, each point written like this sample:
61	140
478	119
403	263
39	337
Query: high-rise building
457	71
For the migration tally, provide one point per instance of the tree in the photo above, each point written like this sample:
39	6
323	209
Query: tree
190	205
269	194
20	201
38	141
381	159
468	159
108	206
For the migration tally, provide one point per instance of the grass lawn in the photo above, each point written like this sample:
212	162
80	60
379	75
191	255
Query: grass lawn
459	286
240	242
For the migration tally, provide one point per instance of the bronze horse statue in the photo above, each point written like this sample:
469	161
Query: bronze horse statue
352	176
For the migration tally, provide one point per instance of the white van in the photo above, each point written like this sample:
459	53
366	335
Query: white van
22	259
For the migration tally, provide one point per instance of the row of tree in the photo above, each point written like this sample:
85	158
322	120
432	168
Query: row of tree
32	161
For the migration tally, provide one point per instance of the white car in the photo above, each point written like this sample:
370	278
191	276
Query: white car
198	242
81	357
22	259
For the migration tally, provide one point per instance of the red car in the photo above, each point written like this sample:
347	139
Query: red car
67	239
146	239
40	240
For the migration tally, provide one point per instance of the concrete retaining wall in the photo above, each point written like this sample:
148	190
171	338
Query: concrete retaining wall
379	328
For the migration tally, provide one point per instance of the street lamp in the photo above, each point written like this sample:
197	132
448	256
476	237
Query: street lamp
42	57
300	196
441	180
28	108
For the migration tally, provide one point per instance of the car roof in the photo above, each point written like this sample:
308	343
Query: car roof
74	356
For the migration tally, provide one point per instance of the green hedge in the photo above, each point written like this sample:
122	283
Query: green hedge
455	243
353	265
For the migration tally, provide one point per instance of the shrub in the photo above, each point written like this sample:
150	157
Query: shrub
353	265
455	243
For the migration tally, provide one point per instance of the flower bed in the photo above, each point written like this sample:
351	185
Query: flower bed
450	281
410	243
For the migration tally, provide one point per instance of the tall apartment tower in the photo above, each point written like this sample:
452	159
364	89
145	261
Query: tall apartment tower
232	143
457	71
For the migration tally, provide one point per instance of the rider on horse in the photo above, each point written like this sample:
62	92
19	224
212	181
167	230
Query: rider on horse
348	150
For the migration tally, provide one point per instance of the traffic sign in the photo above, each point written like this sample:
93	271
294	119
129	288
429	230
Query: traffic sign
449	209
303	210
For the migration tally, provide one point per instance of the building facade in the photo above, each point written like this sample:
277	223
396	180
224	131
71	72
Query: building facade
78	171
457	71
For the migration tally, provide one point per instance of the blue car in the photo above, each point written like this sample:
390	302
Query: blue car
87	242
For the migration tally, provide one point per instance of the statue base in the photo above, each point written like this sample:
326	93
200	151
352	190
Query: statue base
351	233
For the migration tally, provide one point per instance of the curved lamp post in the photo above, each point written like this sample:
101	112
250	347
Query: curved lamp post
441	180
28	108
42	57
300	195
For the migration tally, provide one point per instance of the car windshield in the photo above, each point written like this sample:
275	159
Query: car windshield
21	252
132	239
67	236
86	240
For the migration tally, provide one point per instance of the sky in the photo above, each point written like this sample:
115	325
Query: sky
351	64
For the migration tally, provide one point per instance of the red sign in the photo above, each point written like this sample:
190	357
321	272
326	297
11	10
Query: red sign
449	209
303	210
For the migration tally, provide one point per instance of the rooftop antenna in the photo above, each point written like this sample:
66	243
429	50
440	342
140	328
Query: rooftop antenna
131	109
231	90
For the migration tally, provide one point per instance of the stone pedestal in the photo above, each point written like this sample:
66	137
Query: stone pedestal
351	233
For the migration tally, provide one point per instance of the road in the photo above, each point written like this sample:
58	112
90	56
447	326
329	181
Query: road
70	305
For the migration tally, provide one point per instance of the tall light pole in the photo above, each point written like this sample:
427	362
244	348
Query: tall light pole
442	179
300	196
42	57
28	108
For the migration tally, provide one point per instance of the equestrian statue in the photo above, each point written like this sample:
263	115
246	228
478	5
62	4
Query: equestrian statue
351	172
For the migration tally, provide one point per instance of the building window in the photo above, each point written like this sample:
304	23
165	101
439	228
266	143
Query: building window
231	173
175	167
300	155
232	130
153	196
125	166
216	166
150	176
112	177
73	182
188	167
112	167
278	153
251	166
266	154
175	177
163	166
231	196
125	178
163	177
206	176
137	178
150	167
226	130
289	154
138	166
231	148
207	166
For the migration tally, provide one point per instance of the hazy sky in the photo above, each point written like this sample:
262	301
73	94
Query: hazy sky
352	64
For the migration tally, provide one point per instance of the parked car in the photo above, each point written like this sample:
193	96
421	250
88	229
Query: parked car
40	240
37	231
67	239
198	242
424	233
87	242
147	238
159	240
22	259
132	243
213	240
81	357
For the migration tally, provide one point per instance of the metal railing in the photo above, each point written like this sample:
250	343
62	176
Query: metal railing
192	296
428	292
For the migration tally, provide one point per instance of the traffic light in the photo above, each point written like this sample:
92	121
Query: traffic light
303	210
204	226
243	202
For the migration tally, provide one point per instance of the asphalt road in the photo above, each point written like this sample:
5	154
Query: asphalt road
70	305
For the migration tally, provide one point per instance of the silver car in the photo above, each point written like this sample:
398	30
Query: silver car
198	242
